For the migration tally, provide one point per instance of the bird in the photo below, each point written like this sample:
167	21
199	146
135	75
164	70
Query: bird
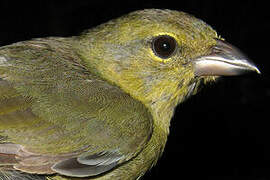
98	105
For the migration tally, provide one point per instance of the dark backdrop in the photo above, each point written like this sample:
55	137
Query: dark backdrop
221	133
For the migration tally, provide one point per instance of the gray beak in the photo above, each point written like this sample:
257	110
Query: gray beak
224	60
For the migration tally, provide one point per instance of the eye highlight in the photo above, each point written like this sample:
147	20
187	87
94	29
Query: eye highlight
164	46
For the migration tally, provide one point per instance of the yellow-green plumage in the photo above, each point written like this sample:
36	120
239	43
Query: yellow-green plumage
100	100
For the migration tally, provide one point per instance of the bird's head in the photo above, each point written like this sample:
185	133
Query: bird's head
160	56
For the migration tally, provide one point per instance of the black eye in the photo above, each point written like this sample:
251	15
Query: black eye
164	46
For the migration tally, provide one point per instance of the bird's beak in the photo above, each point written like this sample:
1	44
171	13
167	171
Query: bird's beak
224	60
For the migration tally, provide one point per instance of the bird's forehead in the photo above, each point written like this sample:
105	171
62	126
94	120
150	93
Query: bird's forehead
153	22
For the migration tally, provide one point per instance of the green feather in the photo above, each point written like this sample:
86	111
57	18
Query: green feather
81	106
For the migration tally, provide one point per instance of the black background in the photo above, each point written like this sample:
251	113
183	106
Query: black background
221	133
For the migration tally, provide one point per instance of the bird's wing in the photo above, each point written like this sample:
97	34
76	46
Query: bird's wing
57	116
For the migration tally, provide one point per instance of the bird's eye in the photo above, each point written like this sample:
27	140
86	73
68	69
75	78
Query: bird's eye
164	46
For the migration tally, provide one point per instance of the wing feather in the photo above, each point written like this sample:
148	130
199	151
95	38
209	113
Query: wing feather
63	115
